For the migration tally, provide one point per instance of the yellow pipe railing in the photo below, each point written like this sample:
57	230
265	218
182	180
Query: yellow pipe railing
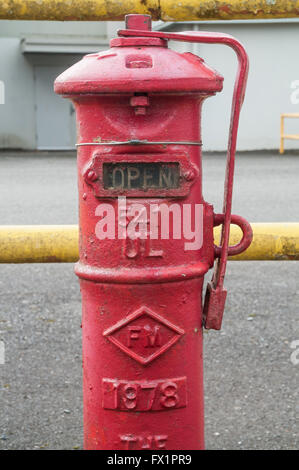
59	243
167	10
38	243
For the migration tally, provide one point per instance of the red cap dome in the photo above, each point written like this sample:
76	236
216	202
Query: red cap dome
139	64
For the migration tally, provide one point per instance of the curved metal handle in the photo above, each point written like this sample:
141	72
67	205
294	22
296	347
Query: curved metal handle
238	97
245	240
216	294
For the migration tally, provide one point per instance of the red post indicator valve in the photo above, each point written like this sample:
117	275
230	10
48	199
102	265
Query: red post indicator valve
146	234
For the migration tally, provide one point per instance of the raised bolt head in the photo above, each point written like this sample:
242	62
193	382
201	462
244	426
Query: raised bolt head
91	176
189	175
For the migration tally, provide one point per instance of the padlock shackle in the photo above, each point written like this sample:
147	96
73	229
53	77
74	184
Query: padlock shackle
238	97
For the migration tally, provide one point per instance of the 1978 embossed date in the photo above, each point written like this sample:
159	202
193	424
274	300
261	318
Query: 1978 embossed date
144	395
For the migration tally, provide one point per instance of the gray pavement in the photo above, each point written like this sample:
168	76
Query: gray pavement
250	382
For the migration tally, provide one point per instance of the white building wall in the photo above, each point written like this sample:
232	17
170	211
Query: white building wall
274	64
17	118
17	113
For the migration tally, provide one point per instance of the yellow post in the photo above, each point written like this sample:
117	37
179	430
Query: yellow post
281	150
284	136
59	243
167	10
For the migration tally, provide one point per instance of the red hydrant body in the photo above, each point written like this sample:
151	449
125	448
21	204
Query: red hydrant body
138	111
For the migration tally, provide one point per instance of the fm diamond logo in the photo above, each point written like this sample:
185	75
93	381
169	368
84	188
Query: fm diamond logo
144	335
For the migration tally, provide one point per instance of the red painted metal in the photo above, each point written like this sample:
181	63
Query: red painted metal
139	103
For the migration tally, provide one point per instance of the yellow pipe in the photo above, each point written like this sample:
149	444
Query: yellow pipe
271	241
38	243
59	243
167	10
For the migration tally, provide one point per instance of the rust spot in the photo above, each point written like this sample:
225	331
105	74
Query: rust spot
156	13
225	9
287	257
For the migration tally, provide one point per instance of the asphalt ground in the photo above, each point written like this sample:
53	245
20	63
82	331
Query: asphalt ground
251	385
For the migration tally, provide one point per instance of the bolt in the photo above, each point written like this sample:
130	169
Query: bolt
189	175
140	110
91	175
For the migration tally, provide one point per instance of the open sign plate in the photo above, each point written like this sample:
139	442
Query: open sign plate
142	175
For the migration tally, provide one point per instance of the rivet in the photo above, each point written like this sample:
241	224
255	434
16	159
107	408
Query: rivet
189	175
91	175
